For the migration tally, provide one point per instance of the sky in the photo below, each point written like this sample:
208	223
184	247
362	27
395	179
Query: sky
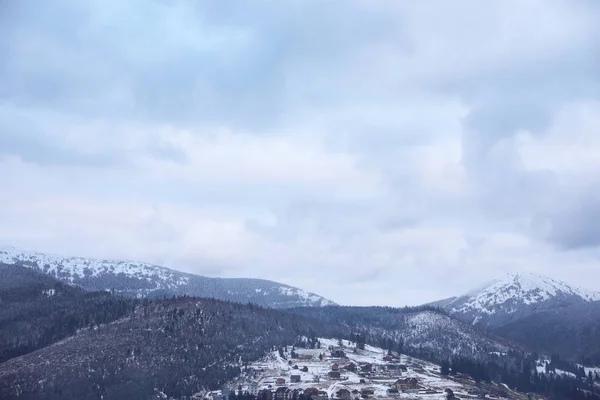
373	152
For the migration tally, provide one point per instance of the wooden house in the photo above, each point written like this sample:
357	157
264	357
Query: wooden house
334	375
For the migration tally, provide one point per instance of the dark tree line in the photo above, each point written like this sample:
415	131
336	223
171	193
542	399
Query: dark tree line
521	375
37	311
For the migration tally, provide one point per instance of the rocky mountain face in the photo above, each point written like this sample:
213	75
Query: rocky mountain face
136	279
514	297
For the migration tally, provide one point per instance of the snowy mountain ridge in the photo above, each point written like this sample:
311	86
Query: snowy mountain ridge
71	269
143	279
527	288
515	296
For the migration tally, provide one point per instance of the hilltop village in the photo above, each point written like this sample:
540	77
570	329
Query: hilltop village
341	370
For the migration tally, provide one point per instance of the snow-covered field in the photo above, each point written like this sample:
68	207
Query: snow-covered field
265	373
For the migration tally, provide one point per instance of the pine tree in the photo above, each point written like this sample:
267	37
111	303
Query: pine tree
445	368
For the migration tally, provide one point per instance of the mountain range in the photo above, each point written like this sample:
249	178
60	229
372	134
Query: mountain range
114	328
137	279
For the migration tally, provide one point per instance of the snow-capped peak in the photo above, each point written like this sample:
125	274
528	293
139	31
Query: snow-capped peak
517	289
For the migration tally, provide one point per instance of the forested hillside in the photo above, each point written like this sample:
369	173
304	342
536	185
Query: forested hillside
37	310
178	346
422	331
573	332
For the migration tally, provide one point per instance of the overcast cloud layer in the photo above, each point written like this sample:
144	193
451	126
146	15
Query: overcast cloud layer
374	152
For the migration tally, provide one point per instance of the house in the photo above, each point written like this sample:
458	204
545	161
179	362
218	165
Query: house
338	354
343	394
265	395
280	381
405	384
388	358
281	393
253	388
296	393
310	392
334	375
366	367
335	367
369	391
305	369
394	369
295	379
350	367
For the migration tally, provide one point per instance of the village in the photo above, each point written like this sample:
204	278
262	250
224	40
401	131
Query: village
341	370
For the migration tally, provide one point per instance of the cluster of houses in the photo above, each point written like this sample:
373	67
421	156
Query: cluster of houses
285	393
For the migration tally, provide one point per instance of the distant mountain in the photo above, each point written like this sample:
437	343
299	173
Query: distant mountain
423	331
516	296
571	332
146	280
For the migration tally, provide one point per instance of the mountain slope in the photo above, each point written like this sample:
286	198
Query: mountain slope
142	279
176	346
571	332
516	296
423	331
37	310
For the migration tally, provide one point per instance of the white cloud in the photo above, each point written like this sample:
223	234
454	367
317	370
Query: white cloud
341	148
569	148
225	157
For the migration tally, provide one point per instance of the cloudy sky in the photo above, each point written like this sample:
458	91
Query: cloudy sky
374	152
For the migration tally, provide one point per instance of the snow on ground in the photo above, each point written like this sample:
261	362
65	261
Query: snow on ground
588	369
595	370
266	372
